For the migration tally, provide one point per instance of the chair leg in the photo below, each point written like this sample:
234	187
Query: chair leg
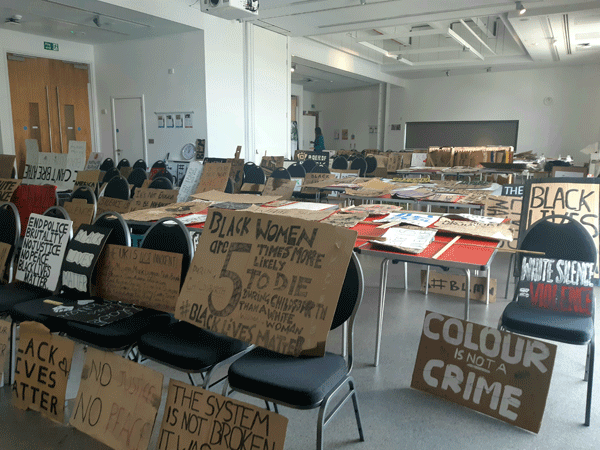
508	277
590	380
356	410
13	352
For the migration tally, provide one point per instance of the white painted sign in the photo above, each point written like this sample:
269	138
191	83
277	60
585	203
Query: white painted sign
190	182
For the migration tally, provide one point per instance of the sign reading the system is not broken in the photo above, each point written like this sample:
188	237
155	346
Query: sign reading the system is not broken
494	372
267	280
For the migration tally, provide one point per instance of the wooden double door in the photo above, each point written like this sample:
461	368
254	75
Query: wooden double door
50	103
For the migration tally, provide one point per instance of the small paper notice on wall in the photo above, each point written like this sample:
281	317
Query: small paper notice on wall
161	121
178	121
170	123
187	121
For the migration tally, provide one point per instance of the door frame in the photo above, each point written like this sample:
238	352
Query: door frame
114	124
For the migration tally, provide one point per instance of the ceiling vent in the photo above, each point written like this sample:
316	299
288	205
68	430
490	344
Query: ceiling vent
14	20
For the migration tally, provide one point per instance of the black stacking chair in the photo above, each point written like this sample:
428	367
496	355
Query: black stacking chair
308	165
123	163
107	164
371	163
160	164
161	183
282	173
110	174
296	170
558	237
253	174
86	193
230	186
306	382
117	188
10	232
166	174
340	163
320	169
136	178
359	164
140	164
352	158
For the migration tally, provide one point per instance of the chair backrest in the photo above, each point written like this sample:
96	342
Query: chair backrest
120	234
352	158
110	174
86	193
166	174
296	170
308	165
10	232
137	177
320	169
170	235
57	212
29	198
340	163
140	164
107	164
230	187
371	163
359	164
281	173
253	174
160	164
123	163
161	183
117	188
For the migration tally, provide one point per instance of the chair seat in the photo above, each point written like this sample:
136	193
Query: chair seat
301	382
14	293
34	310
119	334
174	345
571	329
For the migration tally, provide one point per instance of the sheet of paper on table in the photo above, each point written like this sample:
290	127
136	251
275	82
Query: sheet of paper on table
407	240
421	220
193	218
475	218
309	206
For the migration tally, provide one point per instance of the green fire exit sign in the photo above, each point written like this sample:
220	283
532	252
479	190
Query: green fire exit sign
50	46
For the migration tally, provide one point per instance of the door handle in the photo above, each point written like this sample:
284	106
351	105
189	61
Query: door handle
60	133
49	122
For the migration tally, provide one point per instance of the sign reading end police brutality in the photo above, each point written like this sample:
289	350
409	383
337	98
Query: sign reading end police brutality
500	374
267	280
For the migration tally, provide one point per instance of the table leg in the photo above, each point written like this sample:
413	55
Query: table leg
468	292
382	289
427	281
487	290
405	276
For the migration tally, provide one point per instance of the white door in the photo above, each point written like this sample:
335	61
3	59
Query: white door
309	124
129	129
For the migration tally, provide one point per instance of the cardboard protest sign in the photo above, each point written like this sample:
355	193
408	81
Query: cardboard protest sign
346	219
94	161
557	285
499	374
80	212
7	164
172	210
7	187
279	290
125	171
254	188
196	419
93	313
148	198
214	177
499	231
42	371
31	162
178	169
455	285
237	171
190	182
215	196
113	204
509	208
321	158
117	401
513	190
306	214
5	327
44	245
75	162
52	169
89	178
140	276
270	163
313	178
279	186
82	254
4	252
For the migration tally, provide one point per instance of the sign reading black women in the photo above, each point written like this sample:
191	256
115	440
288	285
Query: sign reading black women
557	285
44	245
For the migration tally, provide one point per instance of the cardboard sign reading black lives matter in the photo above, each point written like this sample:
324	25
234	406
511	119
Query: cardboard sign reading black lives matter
267	280
557	285
82	254
42	371
500	374
198	419
117	401
44	245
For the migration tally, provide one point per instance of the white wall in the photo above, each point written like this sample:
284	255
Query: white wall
565	127
140	67
21	43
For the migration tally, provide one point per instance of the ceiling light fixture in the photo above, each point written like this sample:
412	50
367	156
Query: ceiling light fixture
363	2
293	68
447	73
520	8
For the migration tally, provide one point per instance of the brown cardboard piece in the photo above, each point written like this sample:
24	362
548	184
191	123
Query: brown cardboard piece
501	231
305	214
7	188
280	187
80	212
89	178
254	188
508	207
376	183
221	197
118	400
7	164
148	198
191	421
171	210
454	285
237	170
269	163
346	219
126	171
214	177
267	280
140	276
394	162
42	371
313	178
113	204
475	366
4	252
5	328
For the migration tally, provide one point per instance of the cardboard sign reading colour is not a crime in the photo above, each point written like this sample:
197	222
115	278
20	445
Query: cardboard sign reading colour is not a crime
499	374
267	280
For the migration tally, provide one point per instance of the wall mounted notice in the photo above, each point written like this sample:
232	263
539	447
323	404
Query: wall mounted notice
42	371
267	280
500	374
117	401
198	419
140	276
44	245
